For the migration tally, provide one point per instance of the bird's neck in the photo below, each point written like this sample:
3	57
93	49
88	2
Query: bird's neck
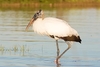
39	20
42	16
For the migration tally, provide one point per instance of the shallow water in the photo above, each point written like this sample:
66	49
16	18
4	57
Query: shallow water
19	48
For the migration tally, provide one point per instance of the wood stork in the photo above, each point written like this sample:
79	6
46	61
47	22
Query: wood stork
54	28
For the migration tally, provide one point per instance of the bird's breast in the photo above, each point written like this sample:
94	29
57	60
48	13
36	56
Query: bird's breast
38	27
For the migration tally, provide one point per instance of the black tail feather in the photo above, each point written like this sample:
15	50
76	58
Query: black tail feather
71	38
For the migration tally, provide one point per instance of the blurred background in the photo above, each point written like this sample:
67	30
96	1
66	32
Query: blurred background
19	48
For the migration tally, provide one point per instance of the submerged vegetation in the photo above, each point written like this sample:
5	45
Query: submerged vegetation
15	49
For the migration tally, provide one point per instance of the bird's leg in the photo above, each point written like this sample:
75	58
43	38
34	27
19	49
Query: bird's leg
69	46
57	48
58	51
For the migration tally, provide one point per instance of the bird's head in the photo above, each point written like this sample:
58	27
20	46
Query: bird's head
38	14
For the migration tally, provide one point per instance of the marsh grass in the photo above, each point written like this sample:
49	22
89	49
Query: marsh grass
14	50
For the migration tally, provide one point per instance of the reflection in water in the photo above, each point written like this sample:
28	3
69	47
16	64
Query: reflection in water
58	65
21	48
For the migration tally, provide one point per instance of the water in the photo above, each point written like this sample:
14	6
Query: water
19	48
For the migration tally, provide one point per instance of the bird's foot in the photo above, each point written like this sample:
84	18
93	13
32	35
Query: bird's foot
57	62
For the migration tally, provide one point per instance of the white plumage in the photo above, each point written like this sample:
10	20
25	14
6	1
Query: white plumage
55	28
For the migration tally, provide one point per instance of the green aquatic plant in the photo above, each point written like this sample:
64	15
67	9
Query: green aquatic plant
15	49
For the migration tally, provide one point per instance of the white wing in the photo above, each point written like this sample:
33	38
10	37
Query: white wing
57	27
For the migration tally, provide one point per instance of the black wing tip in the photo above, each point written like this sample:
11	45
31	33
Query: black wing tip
69	38
80	41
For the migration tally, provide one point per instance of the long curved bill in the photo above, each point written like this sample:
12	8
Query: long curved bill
30	23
